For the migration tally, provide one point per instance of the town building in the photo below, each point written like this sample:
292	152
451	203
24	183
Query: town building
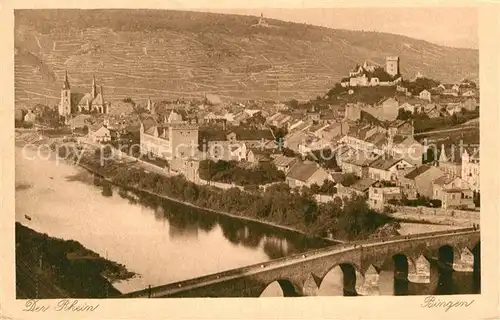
30	117
313	114
425	95
401	127
470	168
176	138
284	163
355	161
279	120
358	187
79	121
386	169
255	157
101	132
381	192
385	110
353	111
432	110
306	173
227	151
419	181
453	192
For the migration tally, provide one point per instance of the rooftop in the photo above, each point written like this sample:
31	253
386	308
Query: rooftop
362	184
417	171
383	163
302	171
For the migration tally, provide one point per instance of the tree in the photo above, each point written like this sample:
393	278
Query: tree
477	199
287	152
404	114
466	83
294	103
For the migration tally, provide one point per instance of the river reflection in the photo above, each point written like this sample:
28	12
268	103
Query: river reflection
162	241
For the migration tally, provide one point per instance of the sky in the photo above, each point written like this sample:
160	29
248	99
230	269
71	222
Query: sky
449	26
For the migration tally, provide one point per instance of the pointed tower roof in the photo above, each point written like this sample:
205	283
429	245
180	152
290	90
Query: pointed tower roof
66	82
150	104
442	155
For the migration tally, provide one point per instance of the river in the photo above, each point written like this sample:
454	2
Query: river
161	241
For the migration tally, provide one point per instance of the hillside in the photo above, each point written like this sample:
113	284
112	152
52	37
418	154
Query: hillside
171	54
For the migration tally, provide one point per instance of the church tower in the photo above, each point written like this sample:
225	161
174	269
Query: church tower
65	103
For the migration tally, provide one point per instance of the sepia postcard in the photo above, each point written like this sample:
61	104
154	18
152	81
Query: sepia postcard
249	160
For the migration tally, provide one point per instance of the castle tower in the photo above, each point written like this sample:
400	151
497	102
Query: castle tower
65	103
93	92
392	65
183	139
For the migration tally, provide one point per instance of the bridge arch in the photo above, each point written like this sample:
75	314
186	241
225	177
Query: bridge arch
476	273
446	255
340	280
393	278
280	288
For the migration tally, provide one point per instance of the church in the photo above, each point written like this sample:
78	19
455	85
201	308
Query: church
91	102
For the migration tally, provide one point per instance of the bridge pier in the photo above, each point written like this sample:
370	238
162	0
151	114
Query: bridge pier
370	285
419	270
393	267
311	287
464	260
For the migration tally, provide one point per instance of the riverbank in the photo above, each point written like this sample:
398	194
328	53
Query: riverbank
194	206
48	267
278	207
291	211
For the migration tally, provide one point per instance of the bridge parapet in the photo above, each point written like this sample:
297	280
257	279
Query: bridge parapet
360	254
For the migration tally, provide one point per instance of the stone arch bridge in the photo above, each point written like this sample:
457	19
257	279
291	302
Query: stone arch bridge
360	266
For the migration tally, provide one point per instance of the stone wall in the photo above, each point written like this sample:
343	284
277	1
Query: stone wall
437	212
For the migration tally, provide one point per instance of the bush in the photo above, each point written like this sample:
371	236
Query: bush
231	172
435	203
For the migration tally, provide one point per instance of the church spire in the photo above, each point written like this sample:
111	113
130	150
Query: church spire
149	105
66	82
442	156
94	87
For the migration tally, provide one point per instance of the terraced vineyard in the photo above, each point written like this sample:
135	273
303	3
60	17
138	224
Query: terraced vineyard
171	54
